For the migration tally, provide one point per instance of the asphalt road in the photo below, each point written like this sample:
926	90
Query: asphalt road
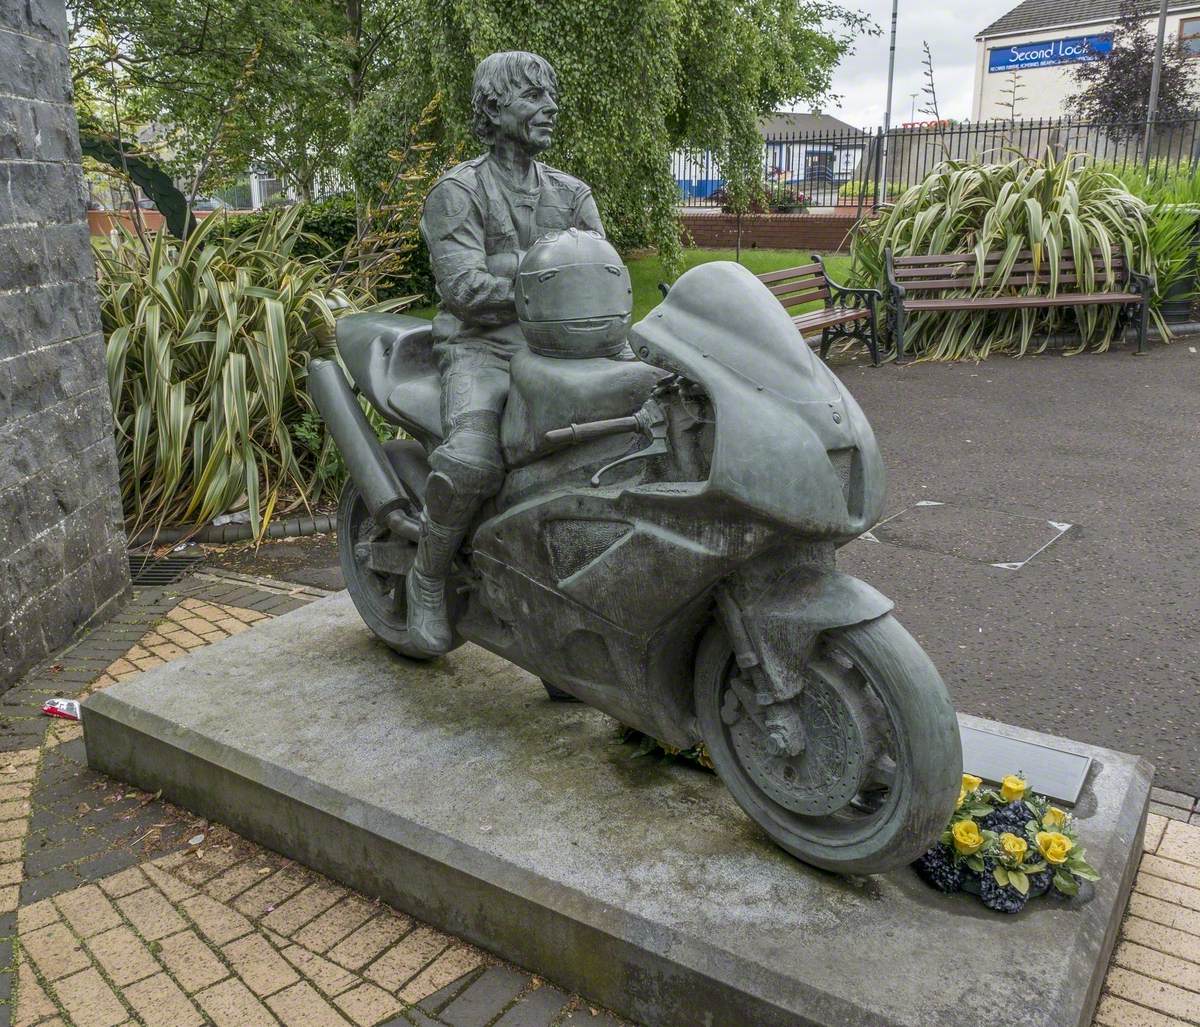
1098	635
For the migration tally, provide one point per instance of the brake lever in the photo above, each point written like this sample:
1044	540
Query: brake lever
652	422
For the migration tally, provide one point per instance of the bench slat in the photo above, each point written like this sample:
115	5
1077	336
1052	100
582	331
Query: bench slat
1090	299
958	258
790	297
903	275
1015	281
830	316
802	271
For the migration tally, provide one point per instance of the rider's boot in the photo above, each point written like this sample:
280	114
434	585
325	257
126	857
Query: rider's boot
429	631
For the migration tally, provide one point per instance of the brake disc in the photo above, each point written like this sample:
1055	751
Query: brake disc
828	773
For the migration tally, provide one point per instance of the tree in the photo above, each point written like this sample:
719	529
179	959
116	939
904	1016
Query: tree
638	79
1116	89
218	85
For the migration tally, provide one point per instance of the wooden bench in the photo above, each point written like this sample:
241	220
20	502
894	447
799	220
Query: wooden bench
847	313
946	282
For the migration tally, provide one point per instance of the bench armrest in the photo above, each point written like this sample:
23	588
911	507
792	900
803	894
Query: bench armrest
1145	284
841	294
845	295
894	287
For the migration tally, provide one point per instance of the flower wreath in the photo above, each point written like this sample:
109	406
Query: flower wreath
1007	845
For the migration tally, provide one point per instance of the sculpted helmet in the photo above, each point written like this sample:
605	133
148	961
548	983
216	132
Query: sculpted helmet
574	298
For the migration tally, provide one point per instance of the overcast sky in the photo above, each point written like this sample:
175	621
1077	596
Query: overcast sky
949	26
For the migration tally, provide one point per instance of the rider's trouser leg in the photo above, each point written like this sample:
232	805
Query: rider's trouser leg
467	469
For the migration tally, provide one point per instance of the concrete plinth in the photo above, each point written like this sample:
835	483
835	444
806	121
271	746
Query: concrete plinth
458	793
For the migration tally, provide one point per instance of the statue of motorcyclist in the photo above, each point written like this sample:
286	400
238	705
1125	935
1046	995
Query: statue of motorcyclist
479	219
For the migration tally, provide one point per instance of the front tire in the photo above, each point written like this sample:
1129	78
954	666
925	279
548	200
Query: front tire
379	598
866	803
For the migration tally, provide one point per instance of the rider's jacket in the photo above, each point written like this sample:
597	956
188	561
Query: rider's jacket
476	223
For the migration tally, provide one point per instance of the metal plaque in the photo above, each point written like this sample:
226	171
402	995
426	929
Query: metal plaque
1052	772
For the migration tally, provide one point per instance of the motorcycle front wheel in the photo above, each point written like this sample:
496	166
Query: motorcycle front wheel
878	775
379	597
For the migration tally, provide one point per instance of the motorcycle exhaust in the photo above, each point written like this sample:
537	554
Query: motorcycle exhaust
381	487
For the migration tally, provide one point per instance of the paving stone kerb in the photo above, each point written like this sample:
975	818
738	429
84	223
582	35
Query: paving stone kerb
456	792
63	548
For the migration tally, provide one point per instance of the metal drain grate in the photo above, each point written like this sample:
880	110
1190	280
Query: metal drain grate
166	570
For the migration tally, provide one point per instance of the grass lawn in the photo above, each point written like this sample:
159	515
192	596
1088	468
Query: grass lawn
646	273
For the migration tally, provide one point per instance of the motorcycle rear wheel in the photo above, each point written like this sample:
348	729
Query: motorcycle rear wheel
909	773
379	598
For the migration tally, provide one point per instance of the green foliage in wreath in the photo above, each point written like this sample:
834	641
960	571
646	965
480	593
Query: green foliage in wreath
1007	844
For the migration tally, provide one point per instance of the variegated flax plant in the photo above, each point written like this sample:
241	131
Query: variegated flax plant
1052	207
208	346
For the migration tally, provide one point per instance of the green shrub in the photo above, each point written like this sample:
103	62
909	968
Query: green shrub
1160	182
850	190
1048	206
207	346
328	225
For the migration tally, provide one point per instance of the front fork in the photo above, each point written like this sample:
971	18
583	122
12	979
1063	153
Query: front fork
764	697
798	602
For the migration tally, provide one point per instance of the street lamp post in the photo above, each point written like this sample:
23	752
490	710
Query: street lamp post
1155	75
887	114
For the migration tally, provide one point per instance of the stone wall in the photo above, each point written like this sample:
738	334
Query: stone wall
62	548
816	232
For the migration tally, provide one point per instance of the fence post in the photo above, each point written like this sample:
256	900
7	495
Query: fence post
872	162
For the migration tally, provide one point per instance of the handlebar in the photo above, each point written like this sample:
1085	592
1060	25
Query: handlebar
578	433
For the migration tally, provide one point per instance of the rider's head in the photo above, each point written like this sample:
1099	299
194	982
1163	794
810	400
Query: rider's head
514	97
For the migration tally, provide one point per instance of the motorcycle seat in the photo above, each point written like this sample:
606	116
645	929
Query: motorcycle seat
390	358
551	392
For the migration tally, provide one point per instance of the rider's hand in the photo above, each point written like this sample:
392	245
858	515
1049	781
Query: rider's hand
504	265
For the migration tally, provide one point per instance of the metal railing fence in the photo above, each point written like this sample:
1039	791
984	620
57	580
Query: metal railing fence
847	168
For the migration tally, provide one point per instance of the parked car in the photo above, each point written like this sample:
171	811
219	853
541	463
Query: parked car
209	203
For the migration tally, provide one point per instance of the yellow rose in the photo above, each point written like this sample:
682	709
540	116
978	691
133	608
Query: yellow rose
1012	788
1014	846
970	782
1054	846
962	794
967	839
1054	817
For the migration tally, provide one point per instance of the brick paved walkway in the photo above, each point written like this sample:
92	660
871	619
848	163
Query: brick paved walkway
117	908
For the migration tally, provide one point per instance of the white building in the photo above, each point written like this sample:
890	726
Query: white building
1042	42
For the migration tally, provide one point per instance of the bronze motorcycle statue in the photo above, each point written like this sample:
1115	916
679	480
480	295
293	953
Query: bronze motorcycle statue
663	547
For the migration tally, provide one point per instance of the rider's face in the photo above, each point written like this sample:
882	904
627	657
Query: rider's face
528	117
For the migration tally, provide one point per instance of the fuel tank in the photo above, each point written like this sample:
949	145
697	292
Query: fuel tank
547	393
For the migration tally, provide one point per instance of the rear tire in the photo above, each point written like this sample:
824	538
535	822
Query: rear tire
911	743
379	598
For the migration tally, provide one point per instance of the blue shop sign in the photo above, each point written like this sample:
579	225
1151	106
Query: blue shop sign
1048	52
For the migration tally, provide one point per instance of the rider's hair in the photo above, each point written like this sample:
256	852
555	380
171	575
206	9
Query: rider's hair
499	77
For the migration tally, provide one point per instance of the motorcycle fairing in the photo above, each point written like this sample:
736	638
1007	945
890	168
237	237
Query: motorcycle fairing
791	445
643	679
390	358
641	552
